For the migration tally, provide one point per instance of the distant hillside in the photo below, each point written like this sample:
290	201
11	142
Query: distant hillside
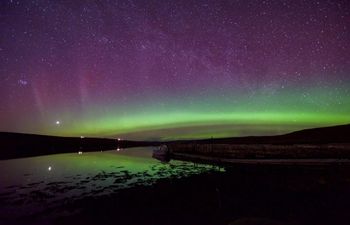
324	135
309	147
18	145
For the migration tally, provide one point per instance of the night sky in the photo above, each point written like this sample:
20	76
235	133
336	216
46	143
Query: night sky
165	69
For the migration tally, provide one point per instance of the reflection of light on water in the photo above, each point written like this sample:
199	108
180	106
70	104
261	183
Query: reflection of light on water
95	174
118	148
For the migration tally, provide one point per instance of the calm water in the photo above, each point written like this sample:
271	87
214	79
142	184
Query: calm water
130	187
31	186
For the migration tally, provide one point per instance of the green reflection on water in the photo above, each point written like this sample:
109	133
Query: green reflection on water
54	179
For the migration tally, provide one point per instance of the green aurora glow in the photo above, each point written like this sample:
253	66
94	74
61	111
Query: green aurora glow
173	69
209	116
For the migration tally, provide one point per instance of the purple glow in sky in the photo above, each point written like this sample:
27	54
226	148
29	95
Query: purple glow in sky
119	67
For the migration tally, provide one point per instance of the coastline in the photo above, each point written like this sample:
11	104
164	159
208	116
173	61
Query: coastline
259	194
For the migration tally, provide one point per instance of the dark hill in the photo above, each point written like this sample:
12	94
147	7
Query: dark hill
324	135
18	145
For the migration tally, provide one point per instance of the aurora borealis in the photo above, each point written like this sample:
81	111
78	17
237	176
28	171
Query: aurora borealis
154	69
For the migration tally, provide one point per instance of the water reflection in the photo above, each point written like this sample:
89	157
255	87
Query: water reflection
130	187
31	185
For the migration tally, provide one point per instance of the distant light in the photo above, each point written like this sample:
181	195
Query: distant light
80	152
81	136
49	169
118	149
58	122
119	139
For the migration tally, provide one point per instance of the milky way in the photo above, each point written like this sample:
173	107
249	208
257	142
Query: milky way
173	69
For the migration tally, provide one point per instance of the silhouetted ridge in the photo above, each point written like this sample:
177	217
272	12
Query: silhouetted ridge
324	135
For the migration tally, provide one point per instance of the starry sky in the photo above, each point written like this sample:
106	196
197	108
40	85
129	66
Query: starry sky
151	69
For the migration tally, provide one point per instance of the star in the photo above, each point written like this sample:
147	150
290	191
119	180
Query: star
116	69
22	82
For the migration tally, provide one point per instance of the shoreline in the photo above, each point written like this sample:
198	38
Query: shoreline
265	194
